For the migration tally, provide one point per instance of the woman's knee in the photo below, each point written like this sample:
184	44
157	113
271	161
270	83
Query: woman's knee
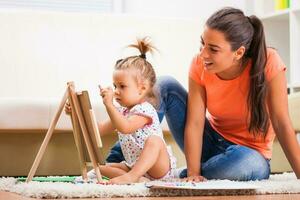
170	92
237	163
168	84
163	80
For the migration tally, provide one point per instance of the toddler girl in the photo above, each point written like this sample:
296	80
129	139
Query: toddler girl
136	121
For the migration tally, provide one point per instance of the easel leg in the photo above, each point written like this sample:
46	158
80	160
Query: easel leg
88	143
98	173
47	138
78	142
84	173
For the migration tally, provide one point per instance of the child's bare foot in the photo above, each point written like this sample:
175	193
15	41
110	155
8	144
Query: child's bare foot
143	179
124	179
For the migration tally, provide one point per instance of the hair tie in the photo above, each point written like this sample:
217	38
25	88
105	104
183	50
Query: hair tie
249	19
143	56
118	61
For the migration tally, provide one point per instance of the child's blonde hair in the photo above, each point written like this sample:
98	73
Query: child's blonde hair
144	69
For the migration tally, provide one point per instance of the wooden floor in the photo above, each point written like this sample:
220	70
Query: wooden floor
12	196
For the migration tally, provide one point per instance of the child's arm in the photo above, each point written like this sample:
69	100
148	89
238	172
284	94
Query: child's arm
121	123
106	128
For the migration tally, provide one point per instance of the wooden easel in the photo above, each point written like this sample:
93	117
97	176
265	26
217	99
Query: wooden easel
85	131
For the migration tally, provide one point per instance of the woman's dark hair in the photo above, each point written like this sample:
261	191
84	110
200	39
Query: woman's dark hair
240	30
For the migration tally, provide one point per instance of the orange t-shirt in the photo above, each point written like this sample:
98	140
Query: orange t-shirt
226	102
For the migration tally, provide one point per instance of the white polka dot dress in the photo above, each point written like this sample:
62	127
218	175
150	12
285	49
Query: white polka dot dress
132	144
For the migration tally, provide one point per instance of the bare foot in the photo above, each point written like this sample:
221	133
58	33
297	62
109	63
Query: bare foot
143	179
124	179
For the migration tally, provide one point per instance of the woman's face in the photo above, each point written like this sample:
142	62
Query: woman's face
217	54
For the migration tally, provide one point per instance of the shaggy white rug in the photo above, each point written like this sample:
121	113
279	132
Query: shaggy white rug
277	184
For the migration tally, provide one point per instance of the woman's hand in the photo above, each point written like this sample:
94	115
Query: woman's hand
195	178
107	95
68	109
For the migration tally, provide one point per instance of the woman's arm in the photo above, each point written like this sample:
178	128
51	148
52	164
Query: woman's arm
194	129
278	109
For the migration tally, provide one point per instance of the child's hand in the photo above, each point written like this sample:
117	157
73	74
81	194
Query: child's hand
107	95
68	109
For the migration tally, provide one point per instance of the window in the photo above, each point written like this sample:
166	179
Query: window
101	6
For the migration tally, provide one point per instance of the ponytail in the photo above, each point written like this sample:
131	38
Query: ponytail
144	69
259	117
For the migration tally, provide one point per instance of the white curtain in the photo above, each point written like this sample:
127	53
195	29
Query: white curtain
101	6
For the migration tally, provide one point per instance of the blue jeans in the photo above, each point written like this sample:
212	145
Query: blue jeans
221	159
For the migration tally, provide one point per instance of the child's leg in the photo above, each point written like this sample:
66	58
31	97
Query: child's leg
112	170
153	160
119	165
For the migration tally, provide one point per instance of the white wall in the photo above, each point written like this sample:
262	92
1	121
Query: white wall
196	9
41	51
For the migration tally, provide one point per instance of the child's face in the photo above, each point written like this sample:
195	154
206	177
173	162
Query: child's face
127	90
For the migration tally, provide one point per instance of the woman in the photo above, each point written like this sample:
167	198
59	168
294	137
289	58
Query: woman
236	103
